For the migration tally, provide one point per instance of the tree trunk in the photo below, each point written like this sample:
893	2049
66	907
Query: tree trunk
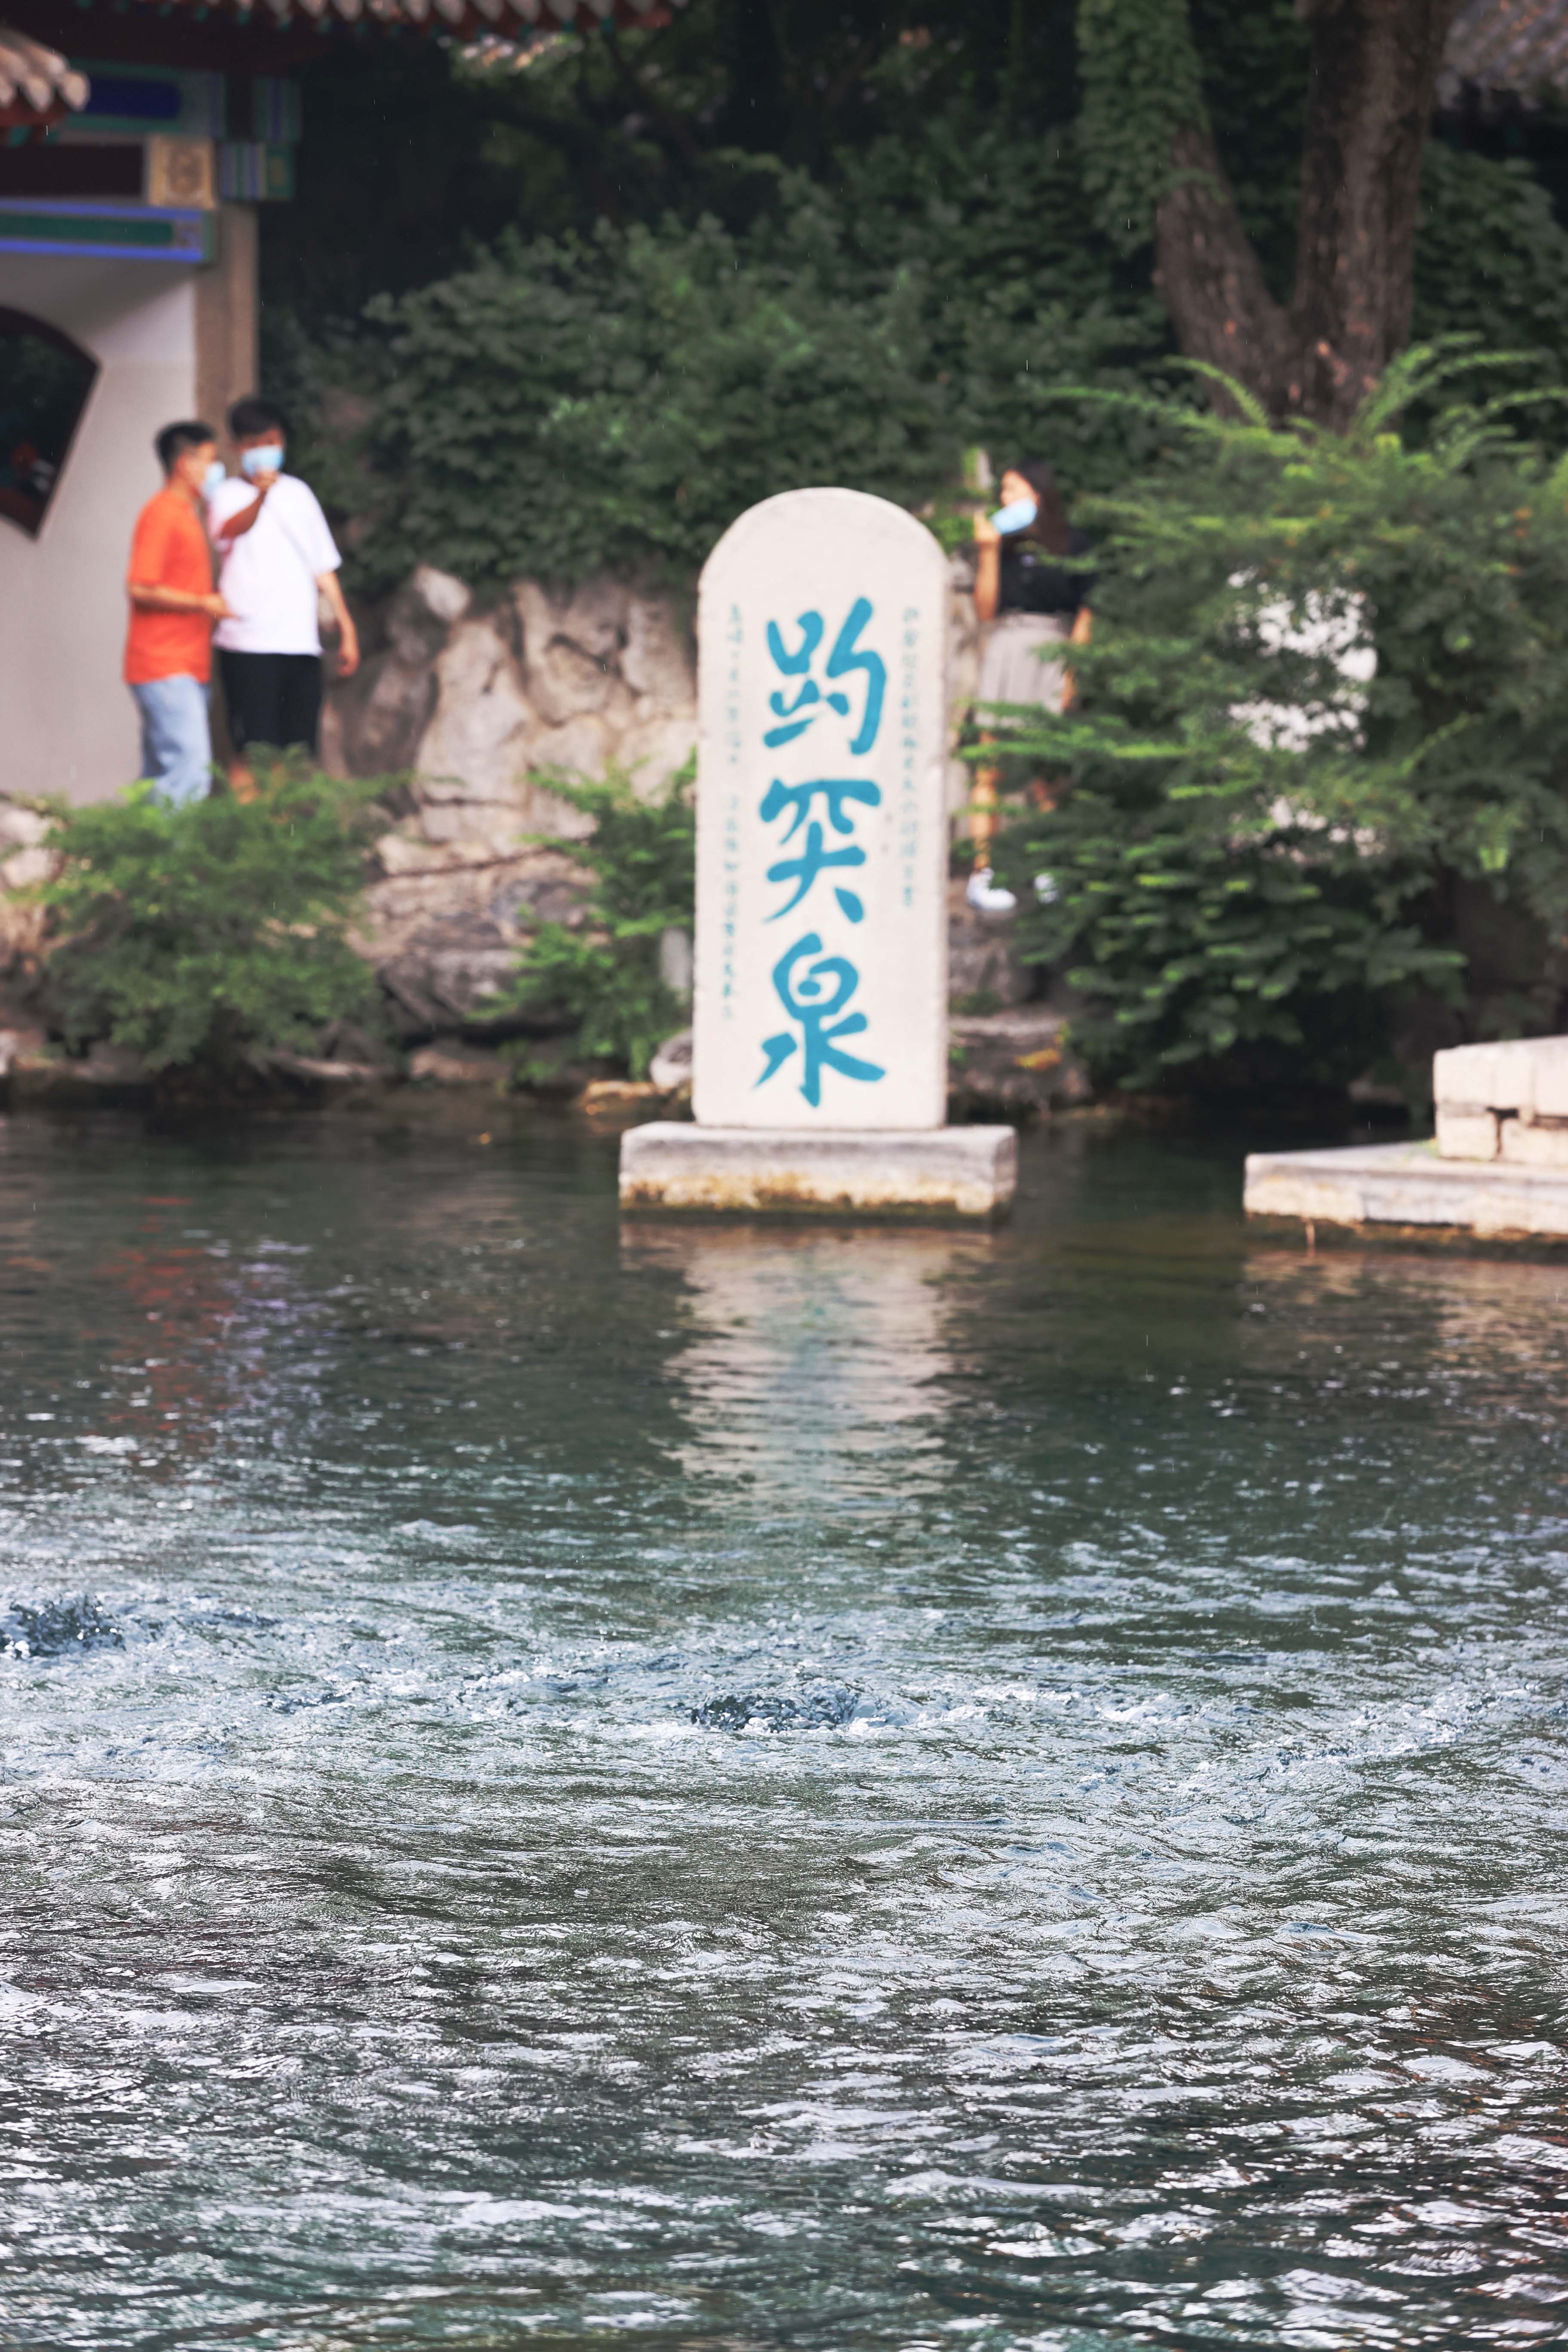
1369	109
1369	105
1209	278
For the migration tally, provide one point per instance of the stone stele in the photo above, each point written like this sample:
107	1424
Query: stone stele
820	1062
821	997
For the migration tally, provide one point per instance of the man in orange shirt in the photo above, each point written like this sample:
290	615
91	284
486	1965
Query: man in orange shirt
174	605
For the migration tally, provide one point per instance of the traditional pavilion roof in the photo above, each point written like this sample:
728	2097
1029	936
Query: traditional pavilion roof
1516	48
475	16
455	15
1506	48
38	86
1497	49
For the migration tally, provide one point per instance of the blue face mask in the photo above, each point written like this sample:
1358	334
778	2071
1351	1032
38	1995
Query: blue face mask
215	473
1017	515
261	461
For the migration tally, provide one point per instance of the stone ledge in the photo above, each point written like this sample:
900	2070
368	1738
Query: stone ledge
946	1171
1408	1184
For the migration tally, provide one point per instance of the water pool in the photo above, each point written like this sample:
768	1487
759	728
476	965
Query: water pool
738	1787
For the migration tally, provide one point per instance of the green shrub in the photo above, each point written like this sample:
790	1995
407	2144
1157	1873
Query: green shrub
1230	876
611	402
1490	259
1019	293
603	977
211	935
1196	946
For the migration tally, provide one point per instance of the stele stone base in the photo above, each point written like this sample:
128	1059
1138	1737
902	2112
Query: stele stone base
945	1172
1410	1184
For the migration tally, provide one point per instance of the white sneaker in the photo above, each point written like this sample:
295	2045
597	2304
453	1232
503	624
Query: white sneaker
1047	890
988	897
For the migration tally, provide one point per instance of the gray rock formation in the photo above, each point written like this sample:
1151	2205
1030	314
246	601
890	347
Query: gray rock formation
1015	1063
24	862
478	708
444	933
475	710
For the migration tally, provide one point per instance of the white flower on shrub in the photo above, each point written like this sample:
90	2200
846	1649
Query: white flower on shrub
1325	626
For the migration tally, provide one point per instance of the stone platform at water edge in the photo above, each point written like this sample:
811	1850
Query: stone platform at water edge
1498	1166
944	1171
1367	1185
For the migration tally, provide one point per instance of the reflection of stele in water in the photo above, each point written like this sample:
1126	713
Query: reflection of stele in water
815	1356
820	1065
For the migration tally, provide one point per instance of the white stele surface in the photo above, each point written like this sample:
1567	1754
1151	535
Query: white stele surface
871	990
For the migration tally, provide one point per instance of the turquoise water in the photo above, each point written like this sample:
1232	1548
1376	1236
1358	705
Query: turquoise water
566	1785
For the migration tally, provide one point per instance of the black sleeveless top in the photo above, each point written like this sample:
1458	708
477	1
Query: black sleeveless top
1033	580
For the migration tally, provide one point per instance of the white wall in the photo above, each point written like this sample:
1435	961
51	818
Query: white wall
67	720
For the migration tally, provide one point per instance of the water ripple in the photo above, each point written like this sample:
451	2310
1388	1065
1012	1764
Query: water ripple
753	1788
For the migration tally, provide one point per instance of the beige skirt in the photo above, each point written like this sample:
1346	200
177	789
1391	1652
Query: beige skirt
1015	665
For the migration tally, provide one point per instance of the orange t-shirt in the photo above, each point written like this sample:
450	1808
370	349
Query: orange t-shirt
169	550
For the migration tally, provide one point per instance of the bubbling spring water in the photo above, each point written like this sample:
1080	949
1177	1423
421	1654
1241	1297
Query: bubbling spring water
744	1787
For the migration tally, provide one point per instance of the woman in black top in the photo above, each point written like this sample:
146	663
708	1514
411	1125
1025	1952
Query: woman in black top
1035	600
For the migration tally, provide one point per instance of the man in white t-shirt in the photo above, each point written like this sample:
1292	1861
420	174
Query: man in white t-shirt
277	553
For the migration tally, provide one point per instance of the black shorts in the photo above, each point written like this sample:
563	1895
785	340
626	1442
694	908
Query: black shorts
272	698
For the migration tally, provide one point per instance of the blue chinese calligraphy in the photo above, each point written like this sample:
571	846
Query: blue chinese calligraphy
812	859
807	1000
826	678
846	657
803	870
835	791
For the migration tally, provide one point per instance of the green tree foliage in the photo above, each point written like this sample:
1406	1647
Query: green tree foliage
614	403
1150	67
1143	83
1490	262
1254	60
611	401
1252	844
926	209
1018	291
1200	951
417	150
211	935
603	975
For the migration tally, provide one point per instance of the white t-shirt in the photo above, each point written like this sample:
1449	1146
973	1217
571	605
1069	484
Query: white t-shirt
268	576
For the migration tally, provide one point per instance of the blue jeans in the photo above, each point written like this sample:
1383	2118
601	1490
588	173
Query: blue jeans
177	740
